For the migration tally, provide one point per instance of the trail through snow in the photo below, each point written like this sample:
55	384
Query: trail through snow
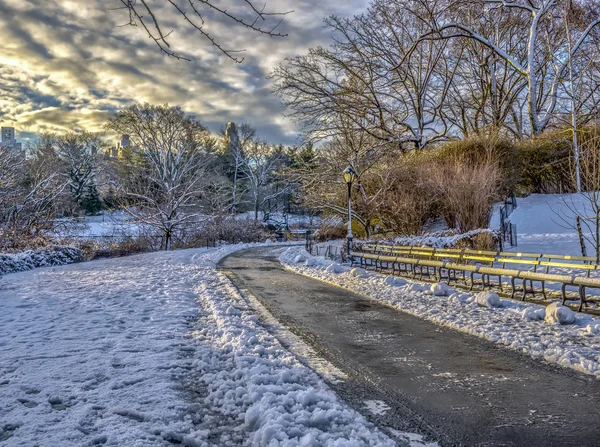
156	349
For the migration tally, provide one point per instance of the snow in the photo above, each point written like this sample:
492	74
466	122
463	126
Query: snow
557	313
541	226
440	289
488	299
41	257
156	349
107	224
441	239
513	324
377	407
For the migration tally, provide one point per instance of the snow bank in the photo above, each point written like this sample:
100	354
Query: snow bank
358	272
438	239
514	324
43	257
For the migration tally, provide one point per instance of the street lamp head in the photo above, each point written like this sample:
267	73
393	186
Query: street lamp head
349	175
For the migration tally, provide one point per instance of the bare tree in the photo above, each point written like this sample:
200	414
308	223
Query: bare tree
168	182
544	65
259	168
153	17
583	209
369	77
28	192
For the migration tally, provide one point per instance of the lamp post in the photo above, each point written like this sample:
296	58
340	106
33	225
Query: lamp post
349	176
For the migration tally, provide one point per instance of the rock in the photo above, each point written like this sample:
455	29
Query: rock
557	313
440	289
358	272
488	299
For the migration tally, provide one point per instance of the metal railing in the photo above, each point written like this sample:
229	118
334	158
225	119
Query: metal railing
508	230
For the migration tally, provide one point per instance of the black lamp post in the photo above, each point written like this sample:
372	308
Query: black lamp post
349	176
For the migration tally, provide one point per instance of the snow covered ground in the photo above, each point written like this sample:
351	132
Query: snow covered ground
107	224
118	223
541	226
156	349
519	326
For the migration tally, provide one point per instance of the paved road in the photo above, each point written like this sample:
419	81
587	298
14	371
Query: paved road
454	388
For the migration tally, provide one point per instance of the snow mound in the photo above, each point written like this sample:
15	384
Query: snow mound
395	281
557	313
488	299
358	272
440	289
336	268
42	257
416	287
534	313
593	328
312	262
298	259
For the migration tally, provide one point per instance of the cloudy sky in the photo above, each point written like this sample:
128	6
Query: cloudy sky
68	64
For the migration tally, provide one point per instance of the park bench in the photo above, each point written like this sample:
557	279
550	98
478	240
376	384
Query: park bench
481	263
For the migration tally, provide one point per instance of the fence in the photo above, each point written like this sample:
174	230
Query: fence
333	252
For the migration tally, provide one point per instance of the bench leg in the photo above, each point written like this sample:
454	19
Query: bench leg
524	290
544	289
500	283
564	293
582	301
512	284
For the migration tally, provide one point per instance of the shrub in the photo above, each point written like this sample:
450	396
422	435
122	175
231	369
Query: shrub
40	257
495	149
467	192
545	164
409	201
224	228
330	232
117	247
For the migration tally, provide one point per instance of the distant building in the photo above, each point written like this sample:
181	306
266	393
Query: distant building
117	151
8	139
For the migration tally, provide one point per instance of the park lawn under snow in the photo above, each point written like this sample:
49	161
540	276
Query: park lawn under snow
155	349
546	224
519	326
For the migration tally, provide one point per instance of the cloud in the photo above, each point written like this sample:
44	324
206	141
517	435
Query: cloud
68	65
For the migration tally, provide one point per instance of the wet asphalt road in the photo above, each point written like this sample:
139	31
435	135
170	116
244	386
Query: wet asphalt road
452	387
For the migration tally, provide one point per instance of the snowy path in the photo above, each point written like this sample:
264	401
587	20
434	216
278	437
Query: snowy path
152	350
459	388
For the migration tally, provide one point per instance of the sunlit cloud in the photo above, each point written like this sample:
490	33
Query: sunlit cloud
68	65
